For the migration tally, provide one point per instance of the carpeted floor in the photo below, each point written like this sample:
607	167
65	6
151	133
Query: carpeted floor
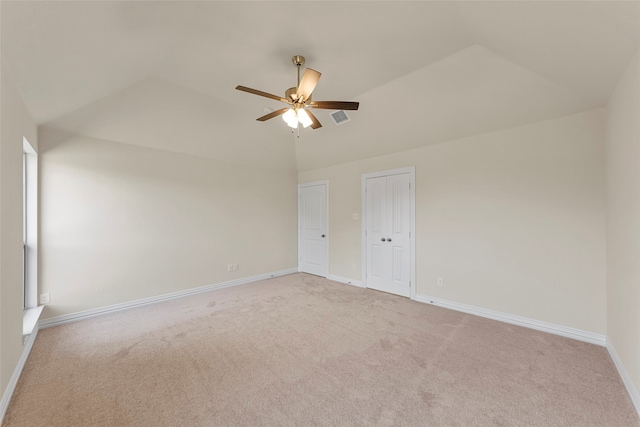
305	351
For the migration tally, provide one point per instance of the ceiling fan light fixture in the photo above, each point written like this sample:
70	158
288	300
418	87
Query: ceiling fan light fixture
290	118
304	118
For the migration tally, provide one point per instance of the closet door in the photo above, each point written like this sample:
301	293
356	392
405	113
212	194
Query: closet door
388	258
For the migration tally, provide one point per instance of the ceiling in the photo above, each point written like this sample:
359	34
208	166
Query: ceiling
162	74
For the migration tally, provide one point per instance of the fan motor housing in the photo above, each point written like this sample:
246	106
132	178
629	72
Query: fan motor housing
291	94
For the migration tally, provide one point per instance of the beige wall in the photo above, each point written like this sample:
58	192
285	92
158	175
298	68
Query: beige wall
122	222
513	220
623	220
15	123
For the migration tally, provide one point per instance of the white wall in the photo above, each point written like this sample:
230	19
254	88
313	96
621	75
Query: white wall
122	222
513	220
15	123
623	220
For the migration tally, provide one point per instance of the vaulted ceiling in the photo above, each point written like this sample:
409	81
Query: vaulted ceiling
162	74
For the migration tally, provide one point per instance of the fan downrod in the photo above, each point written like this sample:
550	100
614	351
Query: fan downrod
298	61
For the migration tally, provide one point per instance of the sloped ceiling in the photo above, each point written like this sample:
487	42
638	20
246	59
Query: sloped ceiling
162	74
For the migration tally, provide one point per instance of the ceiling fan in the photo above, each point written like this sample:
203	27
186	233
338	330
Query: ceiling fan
299	100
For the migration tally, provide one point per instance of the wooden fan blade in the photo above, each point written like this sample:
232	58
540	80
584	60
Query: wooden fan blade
316	124
334	105
272	114
261	93
308	83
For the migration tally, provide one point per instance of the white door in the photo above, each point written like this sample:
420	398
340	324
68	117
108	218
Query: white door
388	233
312	219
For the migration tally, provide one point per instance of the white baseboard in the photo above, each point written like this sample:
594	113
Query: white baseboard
13	381
74	317
626	379
345	280
552	328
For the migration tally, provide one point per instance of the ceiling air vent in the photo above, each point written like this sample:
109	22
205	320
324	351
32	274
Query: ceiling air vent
339	117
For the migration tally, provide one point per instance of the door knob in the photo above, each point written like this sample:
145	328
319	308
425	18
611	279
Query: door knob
389	239
383	240
322	235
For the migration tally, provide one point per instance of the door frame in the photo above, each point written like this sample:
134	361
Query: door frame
326	221
411	170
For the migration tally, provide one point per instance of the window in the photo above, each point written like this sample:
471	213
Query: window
24	230
30	235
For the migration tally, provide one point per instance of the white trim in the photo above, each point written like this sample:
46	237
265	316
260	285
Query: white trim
345	280
411	170
13	381
552	328
74	317
626	379
326	222
30	317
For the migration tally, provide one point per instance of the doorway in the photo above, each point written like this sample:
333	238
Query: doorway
313	236
388	231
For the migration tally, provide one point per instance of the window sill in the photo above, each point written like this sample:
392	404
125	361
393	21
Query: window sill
30	317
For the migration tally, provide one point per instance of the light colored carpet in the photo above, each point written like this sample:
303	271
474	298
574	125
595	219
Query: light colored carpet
305	351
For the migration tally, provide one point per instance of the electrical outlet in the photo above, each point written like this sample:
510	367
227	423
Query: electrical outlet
229	267
440	281
354	216
45	298
235	267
